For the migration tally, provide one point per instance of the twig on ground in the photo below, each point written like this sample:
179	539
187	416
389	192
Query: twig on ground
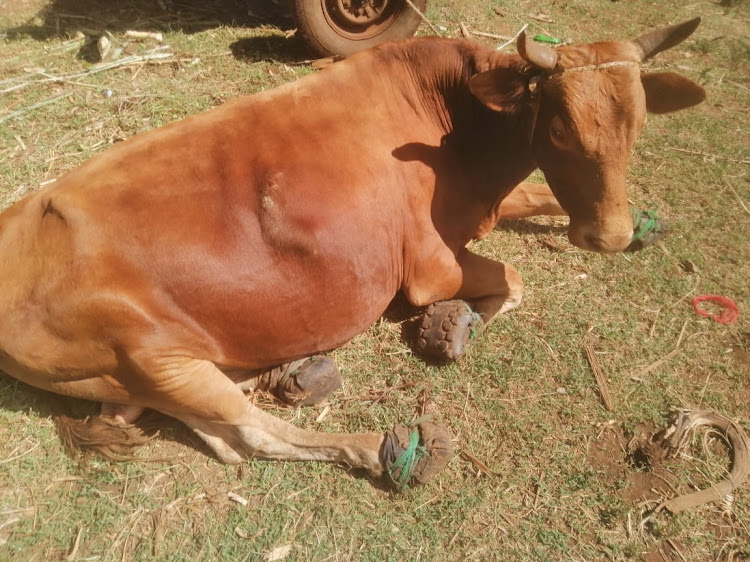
739	199
551	351
377	395
74	549
659	362
544	18
492	36
686	295
237	499
738	85
707	155
150	57
656	364
598	375
528	397
653	324
677	550
464	29
32	107
23	78
682	333
424	19
60	80
479	465
509	41
135	59
323	414
137	35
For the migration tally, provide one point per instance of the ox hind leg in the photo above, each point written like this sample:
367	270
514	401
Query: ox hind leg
197	393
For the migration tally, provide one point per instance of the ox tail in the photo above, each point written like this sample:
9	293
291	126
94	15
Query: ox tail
101	435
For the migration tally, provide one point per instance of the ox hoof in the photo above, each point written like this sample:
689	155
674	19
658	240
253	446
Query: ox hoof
446	328
648	229
415	455
304	382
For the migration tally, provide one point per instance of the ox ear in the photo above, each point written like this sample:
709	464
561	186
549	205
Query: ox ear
667	92
498	88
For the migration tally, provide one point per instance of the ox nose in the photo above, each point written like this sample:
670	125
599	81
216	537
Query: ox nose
600	240
608	243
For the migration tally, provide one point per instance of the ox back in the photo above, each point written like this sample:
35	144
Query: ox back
270	228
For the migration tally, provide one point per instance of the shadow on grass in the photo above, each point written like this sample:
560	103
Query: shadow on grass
523	226
16	396
19	397
66	17
271	47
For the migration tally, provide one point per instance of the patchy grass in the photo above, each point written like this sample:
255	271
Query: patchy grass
558	477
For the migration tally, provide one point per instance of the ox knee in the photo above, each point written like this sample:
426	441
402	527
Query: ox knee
490	287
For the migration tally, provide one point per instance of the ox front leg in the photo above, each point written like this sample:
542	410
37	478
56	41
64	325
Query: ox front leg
526	200
488	288
200	395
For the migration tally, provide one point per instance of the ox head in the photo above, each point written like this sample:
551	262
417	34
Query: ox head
590	103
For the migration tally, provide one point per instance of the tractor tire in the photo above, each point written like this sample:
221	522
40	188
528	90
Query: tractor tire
343	27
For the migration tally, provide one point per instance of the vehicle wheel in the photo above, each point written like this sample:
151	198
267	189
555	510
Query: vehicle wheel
343	27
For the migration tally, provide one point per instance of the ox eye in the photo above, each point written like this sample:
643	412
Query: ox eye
557	131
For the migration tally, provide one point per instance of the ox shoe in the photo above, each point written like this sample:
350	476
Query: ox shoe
302	383
445	330
414	455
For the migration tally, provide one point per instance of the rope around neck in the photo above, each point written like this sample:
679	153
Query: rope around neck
602	66
407	461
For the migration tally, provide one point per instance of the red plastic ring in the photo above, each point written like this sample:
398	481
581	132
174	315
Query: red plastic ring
729	313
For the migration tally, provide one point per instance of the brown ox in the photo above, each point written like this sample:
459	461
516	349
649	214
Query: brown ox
200	255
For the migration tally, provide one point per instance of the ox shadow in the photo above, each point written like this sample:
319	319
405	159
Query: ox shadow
66	17
435	156
271	48
21	398
524	226
16	396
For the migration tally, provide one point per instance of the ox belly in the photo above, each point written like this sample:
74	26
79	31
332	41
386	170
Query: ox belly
84	287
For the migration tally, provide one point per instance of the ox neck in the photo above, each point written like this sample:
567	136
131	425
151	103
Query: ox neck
494	145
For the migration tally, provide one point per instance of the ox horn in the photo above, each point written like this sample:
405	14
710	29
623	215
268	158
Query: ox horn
662	39
536	54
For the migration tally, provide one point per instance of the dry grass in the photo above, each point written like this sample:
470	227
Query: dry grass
546	472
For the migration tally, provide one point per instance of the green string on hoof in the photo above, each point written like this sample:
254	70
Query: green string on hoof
476	325
407	461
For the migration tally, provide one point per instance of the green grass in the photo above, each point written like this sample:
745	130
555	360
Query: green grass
523	401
